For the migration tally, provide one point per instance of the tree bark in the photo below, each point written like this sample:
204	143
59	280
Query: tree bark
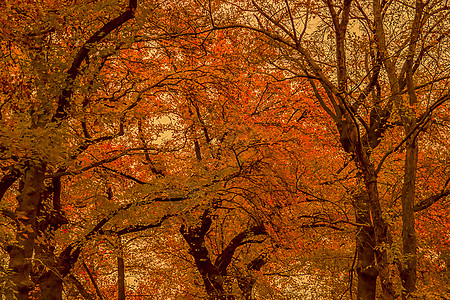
80	288
93	281
121	273
366	267
21	251
381	234
408	265
214	274
212	279
50	286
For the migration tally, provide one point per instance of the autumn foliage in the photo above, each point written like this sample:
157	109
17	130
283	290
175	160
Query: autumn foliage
224	149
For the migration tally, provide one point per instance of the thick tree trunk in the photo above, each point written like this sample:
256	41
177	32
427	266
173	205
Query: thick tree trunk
21	251
46	273
47	266
366	269
51	286
212	279
214	274
382	240
381	234
353	143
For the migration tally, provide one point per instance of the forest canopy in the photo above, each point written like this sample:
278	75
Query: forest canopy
224	150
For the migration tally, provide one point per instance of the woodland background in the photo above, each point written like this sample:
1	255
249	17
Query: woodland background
285	149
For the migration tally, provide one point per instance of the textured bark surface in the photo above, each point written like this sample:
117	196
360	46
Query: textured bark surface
381	234
21	251
212	279
409	263
51	286
214	275
121	273
366	266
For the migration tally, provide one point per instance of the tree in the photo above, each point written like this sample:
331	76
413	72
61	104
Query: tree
371	81
237	133
60	118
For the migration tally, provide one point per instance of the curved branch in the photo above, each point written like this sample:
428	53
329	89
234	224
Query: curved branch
224	259
82	55
424	204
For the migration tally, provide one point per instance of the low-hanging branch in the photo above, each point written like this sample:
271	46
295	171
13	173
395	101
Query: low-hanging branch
70	254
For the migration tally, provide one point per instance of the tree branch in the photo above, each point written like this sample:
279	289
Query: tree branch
94	282
427	202
138	228
124	175
80	287
71	253
82	55
224	259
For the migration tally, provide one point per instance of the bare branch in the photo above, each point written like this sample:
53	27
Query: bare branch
427	202
94	282
224	259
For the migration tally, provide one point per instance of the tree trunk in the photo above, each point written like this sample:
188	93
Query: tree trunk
382	241
93	281
121	273
213	274
381	234
51	286
46	272
195	237
47	266
409	263
80	288
21	251
366	270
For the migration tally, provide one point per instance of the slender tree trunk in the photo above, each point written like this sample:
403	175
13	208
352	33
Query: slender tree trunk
93	281
367	272
80	288
409	263
121	273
